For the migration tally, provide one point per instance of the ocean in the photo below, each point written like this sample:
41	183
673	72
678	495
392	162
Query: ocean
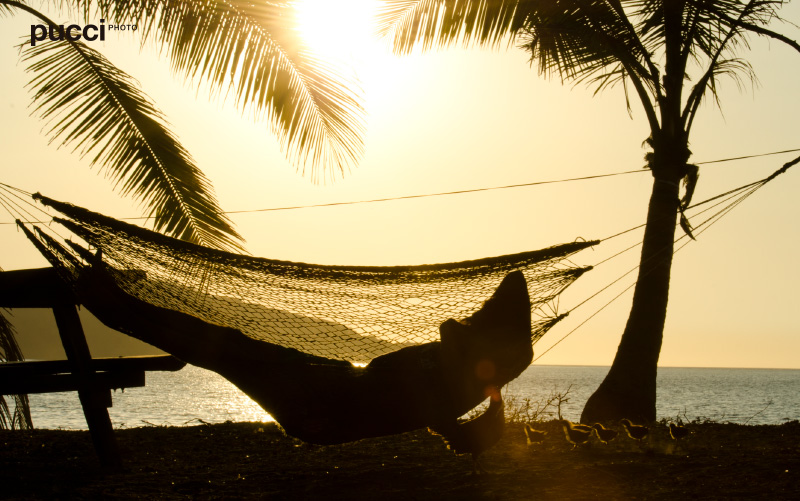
194	396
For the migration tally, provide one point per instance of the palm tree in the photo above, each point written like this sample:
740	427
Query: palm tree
670	54
251	50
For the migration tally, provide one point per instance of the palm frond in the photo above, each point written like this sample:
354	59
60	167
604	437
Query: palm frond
580	40
721	39
752	18
98	110
738	70
20	416
706	23
255	50
441	23
577	39
572	38
591	42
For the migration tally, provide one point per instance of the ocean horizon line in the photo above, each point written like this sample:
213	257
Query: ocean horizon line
677	367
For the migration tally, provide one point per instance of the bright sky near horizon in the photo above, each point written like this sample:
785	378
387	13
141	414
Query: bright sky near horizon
461	119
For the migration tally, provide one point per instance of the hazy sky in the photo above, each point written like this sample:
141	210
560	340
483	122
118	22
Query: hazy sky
462	119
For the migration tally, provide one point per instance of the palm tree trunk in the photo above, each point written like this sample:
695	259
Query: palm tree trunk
629	389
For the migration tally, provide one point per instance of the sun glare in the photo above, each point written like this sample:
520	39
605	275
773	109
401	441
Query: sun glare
343	32
337	29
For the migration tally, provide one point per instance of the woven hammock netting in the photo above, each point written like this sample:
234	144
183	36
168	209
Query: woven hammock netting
340	312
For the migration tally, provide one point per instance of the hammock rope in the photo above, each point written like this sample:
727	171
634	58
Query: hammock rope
284	332
348	313
352	313
737	195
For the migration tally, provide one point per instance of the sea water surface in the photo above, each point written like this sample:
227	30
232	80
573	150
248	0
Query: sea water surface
193	396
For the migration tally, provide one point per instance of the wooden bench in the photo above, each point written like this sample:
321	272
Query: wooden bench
92	378
49	376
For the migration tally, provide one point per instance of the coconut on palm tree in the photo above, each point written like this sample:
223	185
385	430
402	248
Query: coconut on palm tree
669	55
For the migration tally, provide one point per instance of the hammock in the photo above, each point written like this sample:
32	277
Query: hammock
262	322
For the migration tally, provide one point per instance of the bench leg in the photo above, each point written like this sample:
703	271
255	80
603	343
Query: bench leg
105	443
93	399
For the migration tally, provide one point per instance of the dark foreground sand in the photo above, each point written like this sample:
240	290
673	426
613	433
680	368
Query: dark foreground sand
256	461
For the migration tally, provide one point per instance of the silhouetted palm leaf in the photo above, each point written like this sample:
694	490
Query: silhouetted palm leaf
255	50
97	109
586	41
719	41
581	40
601	42
252	50
440	23
20	416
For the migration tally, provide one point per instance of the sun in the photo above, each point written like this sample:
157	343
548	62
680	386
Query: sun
337	29
343	32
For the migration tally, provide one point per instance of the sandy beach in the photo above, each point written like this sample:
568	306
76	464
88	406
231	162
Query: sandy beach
257	461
